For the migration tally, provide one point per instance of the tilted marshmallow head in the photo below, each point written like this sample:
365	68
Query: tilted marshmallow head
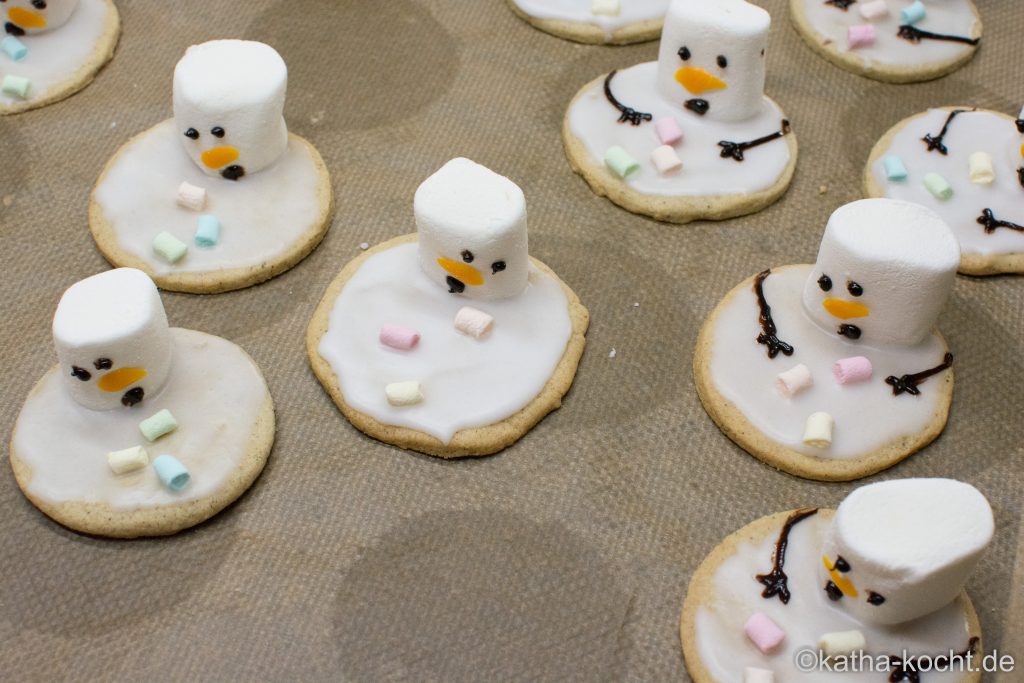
885	269
471	224
901	549
229	104
112	339
712	57
36	16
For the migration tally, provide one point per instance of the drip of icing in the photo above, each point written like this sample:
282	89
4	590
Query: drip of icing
578	12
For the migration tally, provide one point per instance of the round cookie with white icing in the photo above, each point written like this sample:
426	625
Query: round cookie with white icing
834	371
691	136
141	429
968	166
453	341
875	588
222	196
608	22
897	41
50	50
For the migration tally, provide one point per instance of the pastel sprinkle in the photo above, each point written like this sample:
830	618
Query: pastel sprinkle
157	425
16	85
169	247
127	460
620	162
894	168
606	7
171	472
938	186
668	130
208	231
914	13
13	48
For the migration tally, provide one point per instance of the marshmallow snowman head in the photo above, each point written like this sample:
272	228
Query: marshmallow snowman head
229	104
901	549
885	269
36	16
112	339
471	224
712	57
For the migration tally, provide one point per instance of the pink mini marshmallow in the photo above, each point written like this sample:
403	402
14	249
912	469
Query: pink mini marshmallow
862	35
852	370
668	130
793	381
665	160
764	633
872	11
473	322
191	196
399	337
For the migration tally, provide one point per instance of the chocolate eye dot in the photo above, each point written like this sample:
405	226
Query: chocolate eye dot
854	289
467	256
825	282
684	53
192	134
497	266
217	132
722	61
103	363
80	373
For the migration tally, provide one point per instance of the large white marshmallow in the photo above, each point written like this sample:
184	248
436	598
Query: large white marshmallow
234	89
471	224
913	542
903	257
705	32
31	18
111	336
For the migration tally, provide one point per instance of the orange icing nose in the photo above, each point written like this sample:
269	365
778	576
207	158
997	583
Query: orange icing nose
844	310
698	80
841	582
119	379
26	19
219	156
463	272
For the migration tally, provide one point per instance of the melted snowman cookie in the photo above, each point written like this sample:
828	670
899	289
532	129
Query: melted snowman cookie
611	22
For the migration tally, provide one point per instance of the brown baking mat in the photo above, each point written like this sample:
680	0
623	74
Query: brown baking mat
567	556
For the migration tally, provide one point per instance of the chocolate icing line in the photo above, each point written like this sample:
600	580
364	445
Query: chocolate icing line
768	330
628	113
908	383
915	34
908	670
776	581
840	4
735	149
934	142
991	223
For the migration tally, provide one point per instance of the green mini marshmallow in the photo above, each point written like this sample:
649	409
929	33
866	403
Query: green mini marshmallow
156	426
169	247
16	85
619	161
938	186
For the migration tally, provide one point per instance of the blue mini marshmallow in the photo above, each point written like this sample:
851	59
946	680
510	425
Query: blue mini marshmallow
208	232
13	48
894	168
914	13
172	473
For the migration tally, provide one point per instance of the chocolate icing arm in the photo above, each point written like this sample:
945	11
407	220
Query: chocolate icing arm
908	383
628	113
735	150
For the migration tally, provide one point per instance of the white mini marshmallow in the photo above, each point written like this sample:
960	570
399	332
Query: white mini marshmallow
191	196
111	336
473	322
752	674
901	257
841	643
606	7
908	546
818	430
471	224
404	393
980	168
31	19
733	30
127	460
237	88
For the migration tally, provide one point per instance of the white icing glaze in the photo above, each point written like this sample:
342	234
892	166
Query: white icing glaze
951	17
261	216
867	415
466	382
53	56
594	121
578	11
725	650
215	392
980	131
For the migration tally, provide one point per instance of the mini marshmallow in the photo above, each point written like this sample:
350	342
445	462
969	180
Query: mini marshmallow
903	258
981	170
399	337
13	48
913	13
17	86
862	35
764	633
473	322
752	674
793	381
471	224
191	196
171	472
852	370
894	168
32	19
207	231
128	460
169	247
841	643
732	29
938	186
620	162
908	546
875	10
605	7
112	339
818	430
403	393
666	160
668	130
228	106
158	424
